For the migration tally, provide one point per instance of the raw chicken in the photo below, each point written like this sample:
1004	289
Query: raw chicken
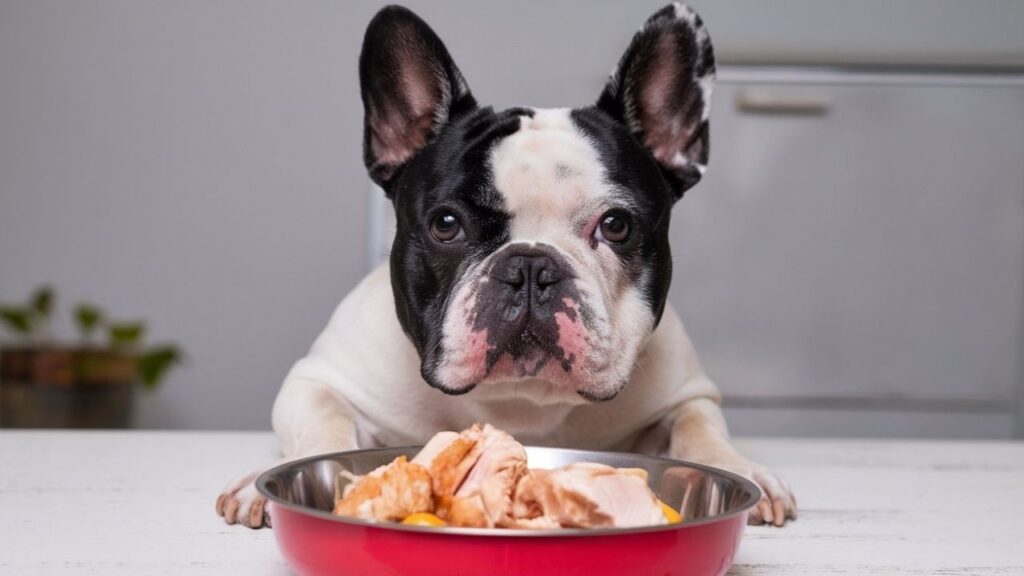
586	495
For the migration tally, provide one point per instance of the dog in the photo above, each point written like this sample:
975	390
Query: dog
528	277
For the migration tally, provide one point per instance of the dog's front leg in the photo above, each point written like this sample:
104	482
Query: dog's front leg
699	434
310	417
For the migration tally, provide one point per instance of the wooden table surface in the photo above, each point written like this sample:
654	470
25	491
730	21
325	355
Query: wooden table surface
141	503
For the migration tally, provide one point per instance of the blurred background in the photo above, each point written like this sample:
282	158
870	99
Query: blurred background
852	265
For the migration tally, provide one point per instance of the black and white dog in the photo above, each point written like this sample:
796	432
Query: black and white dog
529	272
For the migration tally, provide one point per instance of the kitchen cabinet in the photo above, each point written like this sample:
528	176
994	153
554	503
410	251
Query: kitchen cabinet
858	246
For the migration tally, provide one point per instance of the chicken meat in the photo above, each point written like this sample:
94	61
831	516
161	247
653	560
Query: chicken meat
474	475
389	493
479	478
586	495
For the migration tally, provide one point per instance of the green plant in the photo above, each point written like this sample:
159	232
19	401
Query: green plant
126	336
88	318
31	323
155	363
17	320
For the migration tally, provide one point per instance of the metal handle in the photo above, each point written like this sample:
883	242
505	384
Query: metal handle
781	104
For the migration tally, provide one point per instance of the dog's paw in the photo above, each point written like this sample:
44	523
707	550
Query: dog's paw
240	503
777	503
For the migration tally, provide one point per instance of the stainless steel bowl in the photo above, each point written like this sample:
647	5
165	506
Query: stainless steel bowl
701	493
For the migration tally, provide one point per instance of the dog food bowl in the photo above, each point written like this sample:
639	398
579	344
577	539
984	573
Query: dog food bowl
714	504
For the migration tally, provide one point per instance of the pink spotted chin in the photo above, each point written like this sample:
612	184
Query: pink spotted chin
572	335
562	358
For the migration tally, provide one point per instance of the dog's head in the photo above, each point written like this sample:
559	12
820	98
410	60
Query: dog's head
532	245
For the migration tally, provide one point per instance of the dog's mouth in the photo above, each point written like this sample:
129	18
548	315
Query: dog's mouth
533	353
549	340
527	353
529	366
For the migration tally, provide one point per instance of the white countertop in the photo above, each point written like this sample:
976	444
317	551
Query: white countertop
141	503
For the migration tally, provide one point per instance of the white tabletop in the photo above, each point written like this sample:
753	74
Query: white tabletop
141	503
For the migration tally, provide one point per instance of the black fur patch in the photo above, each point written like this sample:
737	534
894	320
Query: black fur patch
631	167
453	173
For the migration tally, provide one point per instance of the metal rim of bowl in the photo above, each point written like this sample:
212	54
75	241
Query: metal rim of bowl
753	490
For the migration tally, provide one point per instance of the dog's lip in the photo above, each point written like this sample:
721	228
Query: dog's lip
433	382
454	391
525	340
591	397
503	365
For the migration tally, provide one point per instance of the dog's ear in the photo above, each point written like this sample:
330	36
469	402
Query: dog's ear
661	91
410	87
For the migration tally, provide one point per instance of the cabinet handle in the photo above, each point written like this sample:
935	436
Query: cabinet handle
770	104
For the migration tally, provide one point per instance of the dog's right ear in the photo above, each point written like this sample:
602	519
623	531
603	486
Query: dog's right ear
410	88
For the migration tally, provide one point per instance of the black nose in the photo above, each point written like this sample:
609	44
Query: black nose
531	271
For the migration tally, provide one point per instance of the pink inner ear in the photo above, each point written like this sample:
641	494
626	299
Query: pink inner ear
393	141
422	91
404	130
662	119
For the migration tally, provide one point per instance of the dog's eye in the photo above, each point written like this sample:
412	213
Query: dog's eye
445	227
614	227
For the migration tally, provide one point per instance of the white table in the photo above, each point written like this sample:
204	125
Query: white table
139	503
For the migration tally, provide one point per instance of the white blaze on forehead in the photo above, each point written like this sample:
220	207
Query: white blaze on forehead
550	176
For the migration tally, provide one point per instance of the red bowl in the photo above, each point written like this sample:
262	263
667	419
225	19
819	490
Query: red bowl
714	504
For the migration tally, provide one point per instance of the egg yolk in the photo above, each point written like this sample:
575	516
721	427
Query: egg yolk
423	519
671	514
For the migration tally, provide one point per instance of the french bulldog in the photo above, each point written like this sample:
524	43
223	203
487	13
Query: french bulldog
529	272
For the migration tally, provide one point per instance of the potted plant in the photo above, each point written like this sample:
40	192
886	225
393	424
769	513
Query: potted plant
88	384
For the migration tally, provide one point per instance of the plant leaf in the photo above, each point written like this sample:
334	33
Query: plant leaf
155	363
126	335
17	320
88	317
42	301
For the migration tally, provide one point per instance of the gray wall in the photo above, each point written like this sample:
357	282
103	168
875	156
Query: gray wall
198	163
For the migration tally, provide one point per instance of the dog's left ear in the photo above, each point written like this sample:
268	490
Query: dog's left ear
410	88
661	91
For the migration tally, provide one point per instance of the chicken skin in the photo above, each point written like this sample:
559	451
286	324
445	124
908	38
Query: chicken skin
389	493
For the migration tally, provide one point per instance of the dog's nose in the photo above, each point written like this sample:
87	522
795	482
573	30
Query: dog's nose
531	271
